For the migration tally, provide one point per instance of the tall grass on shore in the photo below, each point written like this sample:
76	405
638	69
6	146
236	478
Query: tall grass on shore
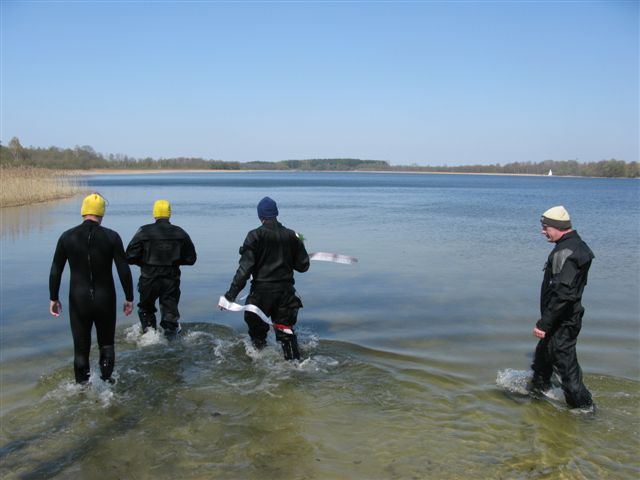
23	186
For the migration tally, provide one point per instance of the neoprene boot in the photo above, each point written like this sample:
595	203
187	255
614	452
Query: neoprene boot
538	386
107	362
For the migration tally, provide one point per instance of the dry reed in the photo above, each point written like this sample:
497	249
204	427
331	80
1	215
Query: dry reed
23	186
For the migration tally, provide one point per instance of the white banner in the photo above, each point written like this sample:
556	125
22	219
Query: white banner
235	307
332	257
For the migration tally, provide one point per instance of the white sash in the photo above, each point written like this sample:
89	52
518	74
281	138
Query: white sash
235	307
332	257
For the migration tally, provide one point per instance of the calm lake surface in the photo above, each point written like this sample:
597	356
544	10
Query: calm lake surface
410	355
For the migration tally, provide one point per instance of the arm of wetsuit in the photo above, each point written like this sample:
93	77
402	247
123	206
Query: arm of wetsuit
188	252
135	250
57	267
245	268
300	256
124	272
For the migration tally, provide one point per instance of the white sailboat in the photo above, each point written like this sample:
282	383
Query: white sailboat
550	173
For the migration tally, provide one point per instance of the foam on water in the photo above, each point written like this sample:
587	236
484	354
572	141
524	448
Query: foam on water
134	334
95	391
271	356
516	381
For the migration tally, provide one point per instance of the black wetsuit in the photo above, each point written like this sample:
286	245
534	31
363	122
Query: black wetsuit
159	249
270	254
565	277
91	251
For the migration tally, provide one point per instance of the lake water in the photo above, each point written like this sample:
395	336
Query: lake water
407	354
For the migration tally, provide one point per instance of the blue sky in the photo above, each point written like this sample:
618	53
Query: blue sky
428	83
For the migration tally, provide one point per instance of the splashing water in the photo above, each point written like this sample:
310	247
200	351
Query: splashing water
133	334
514	381
95	391
517	381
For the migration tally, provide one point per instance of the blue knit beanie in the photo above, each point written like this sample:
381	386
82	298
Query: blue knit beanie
267	208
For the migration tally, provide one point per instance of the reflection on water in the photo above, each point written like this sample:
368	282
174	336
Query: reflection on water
402	350
20	221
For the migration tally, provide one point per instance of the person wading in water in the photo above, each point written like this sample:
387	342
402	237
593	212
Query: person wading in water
269	255
91	250
159	249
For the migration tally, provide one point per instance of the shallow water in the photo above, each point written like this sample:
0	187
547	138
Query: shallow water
412	358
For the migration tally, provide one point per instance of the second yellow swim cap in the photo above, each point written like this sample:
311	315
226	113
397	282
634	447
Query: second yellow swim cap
161	209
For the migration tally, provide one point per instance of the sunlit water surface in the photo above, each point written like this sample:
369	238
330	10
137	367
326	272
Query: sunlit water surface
413	359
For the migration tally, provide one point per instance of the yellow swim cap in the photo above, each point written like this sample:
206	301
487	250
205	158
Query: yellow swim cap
161	209
93	204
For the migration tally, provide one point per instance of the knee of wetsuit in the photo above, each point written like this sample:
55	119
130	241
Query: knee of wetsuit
258	332
81	367
168	316
107	361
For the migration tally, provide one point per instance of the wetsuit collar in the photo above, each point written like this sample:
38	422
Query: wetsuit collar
162	220
567	236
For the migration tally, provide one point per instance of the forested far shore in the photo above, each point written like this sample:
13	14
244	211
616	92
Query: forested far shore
86	158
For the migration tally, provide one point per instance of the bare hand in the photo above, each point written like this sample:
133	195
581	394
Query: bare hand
55	308
127	308
539	333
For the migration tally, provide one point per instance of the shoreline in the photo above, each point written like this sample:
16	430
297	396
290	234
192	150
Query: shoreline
172	171
80	173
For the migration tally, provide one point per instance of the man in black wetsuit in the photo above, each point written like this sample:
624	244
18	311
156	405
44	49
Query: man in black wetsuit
270	254
565	276
159	249
91	249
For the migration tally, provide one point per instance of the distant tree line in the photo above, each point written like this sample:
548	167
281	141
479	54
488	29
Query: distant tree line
603	168
85	157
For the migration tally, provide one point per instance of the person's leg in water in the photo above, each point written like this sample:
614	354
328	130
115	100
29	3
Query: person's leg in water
169	299
146	306
107	362
566	363
106	331
258	330
288	341
542	367
81	332
286	316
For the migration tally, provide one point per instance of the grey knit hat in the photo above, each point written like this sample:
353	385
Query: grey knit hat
557	217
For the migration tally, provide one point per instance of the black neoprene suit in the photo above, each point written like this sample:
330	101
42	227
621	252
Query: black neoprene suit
159	249
269	255
565	277
91	250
